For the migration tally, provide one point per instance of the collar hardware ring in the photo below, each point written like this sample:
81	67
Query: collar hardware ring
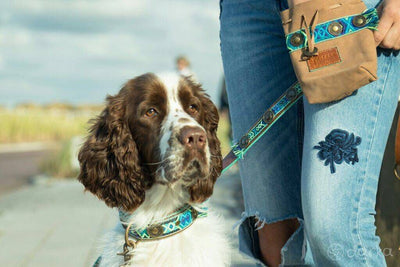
155	230
127	253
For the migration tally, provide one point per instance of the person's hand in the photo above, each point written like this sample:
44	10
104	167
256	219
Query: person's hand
388	33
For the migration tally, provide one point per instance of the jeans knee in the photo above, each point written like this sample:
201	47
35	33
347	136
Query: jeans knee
317	234
324	233
343	241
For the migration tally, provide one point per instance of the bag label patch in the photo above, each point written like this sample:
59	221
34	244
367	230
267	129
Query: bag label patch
323	59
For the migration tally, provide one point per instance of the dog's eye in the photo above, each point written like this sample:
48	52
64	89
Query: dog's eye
151	113
193	109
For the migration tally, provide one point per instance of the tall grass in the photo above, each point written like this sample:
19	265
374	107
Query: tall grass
25	125
59	163
33	124
223	134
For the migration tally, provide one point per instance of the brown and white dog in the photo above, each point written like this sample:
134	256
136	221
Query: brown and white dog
153	149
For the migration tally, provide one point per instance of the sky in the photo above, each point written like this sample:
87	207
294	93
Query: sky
80	51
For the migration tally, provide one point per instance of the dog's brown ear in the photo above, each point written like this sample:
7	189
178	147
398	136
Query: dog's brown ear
203	189
109	160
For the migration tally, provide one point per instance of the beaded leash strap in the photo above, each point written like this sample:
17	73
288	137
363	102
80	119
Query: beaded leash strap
281	105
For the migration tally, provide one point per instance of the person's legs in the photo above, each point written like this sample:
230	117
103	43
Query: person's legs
343	148
272	237
258	70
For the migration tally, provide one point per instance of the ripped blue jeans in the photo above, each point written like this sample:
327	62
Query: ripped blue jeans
319	163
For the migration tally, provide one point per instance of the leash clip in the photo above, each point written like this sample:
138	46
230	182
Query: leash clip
126	254
129	246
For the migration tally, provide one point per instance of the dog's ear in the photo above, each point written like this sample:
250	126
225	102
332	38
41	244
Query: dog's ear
109	160
203	189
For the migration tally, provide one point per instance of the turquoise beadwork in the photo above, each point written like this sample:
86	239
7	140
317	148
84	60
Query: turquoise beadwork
174	223
263	124
324	31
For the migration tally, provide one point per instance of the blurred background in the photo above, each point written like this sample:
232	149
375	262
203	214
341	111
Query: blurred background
58	61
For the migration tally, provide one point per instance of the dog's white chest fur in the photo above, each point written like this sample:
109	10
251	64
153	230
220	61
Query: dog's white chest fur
204	243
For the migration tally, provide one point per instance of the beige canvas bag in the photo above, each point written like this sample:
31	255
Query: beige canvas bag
331	46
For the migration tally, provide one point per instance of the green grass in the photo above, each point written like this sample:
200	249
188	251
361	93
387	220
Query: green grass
41	125
59	163
223	134
31	123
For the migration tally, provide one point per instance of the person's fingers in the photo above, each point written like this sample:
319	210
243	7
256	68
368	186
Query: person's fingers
386	21
396	46
392	37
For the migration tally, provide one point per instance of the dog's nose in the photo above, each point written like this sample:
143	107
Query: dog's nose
192	137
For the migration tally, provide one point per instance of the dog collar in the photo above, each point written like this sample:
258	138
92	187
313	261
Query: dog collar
174	223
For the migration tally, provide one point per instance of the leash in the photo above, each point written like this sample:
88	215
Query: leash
273	113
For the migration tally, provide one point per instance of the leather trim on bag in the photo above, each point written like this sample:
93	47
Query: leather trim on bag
323	59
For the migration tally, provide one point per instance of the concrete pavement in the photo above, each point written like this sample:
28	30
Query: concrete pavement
55	224
17	166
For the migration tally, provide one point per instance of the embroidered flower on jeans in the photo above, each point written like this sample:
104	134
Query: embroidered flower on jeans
338	146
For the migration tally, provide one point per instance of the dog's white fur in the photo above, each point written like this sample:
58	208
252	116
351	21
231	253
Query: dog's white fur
204	243
172	124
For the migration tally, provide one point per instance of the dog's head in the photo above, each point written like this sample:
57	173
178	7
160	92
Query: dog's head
156	129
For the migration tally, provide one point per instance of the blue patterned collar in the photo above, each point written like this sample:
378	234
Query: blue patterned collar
174	223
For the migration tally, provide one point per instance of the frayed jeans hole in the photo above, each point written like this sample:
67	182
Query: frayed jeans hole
259	223
273	237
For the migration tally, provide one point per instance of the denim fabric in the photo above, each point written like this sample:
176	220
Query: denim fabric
327	177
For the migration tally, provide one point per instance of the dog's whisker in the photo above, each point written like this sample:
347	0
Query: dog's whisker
155	163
